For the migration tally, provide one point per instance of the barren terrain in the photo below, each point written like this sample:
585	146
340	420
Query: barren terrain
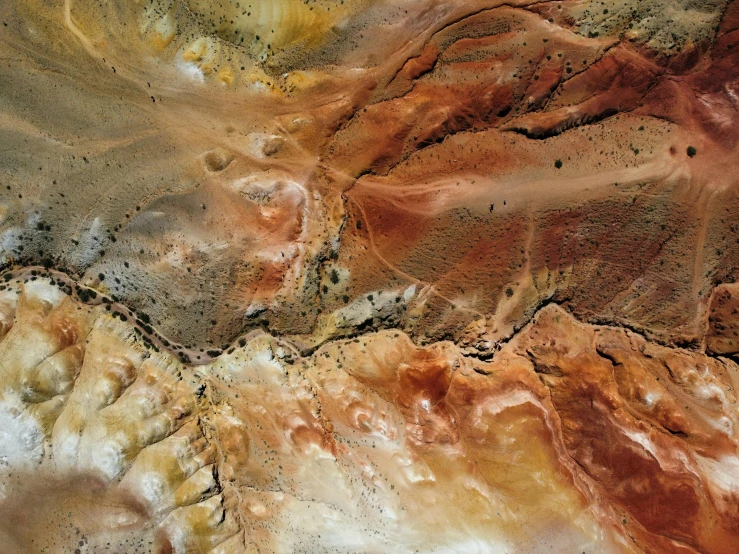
369	276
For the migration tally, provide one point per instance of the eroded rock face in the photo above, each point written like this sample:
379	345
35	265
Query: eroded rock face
573	437
723	335
351	276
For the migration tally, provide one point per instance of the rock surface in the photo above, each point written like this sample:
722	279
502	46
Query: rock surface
352	276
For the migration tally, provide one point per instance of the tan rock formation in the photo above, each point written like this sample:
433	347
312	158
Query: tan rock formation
352	276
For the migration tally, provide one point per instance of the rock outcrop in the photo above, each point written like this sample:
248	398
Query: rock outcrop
352	276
